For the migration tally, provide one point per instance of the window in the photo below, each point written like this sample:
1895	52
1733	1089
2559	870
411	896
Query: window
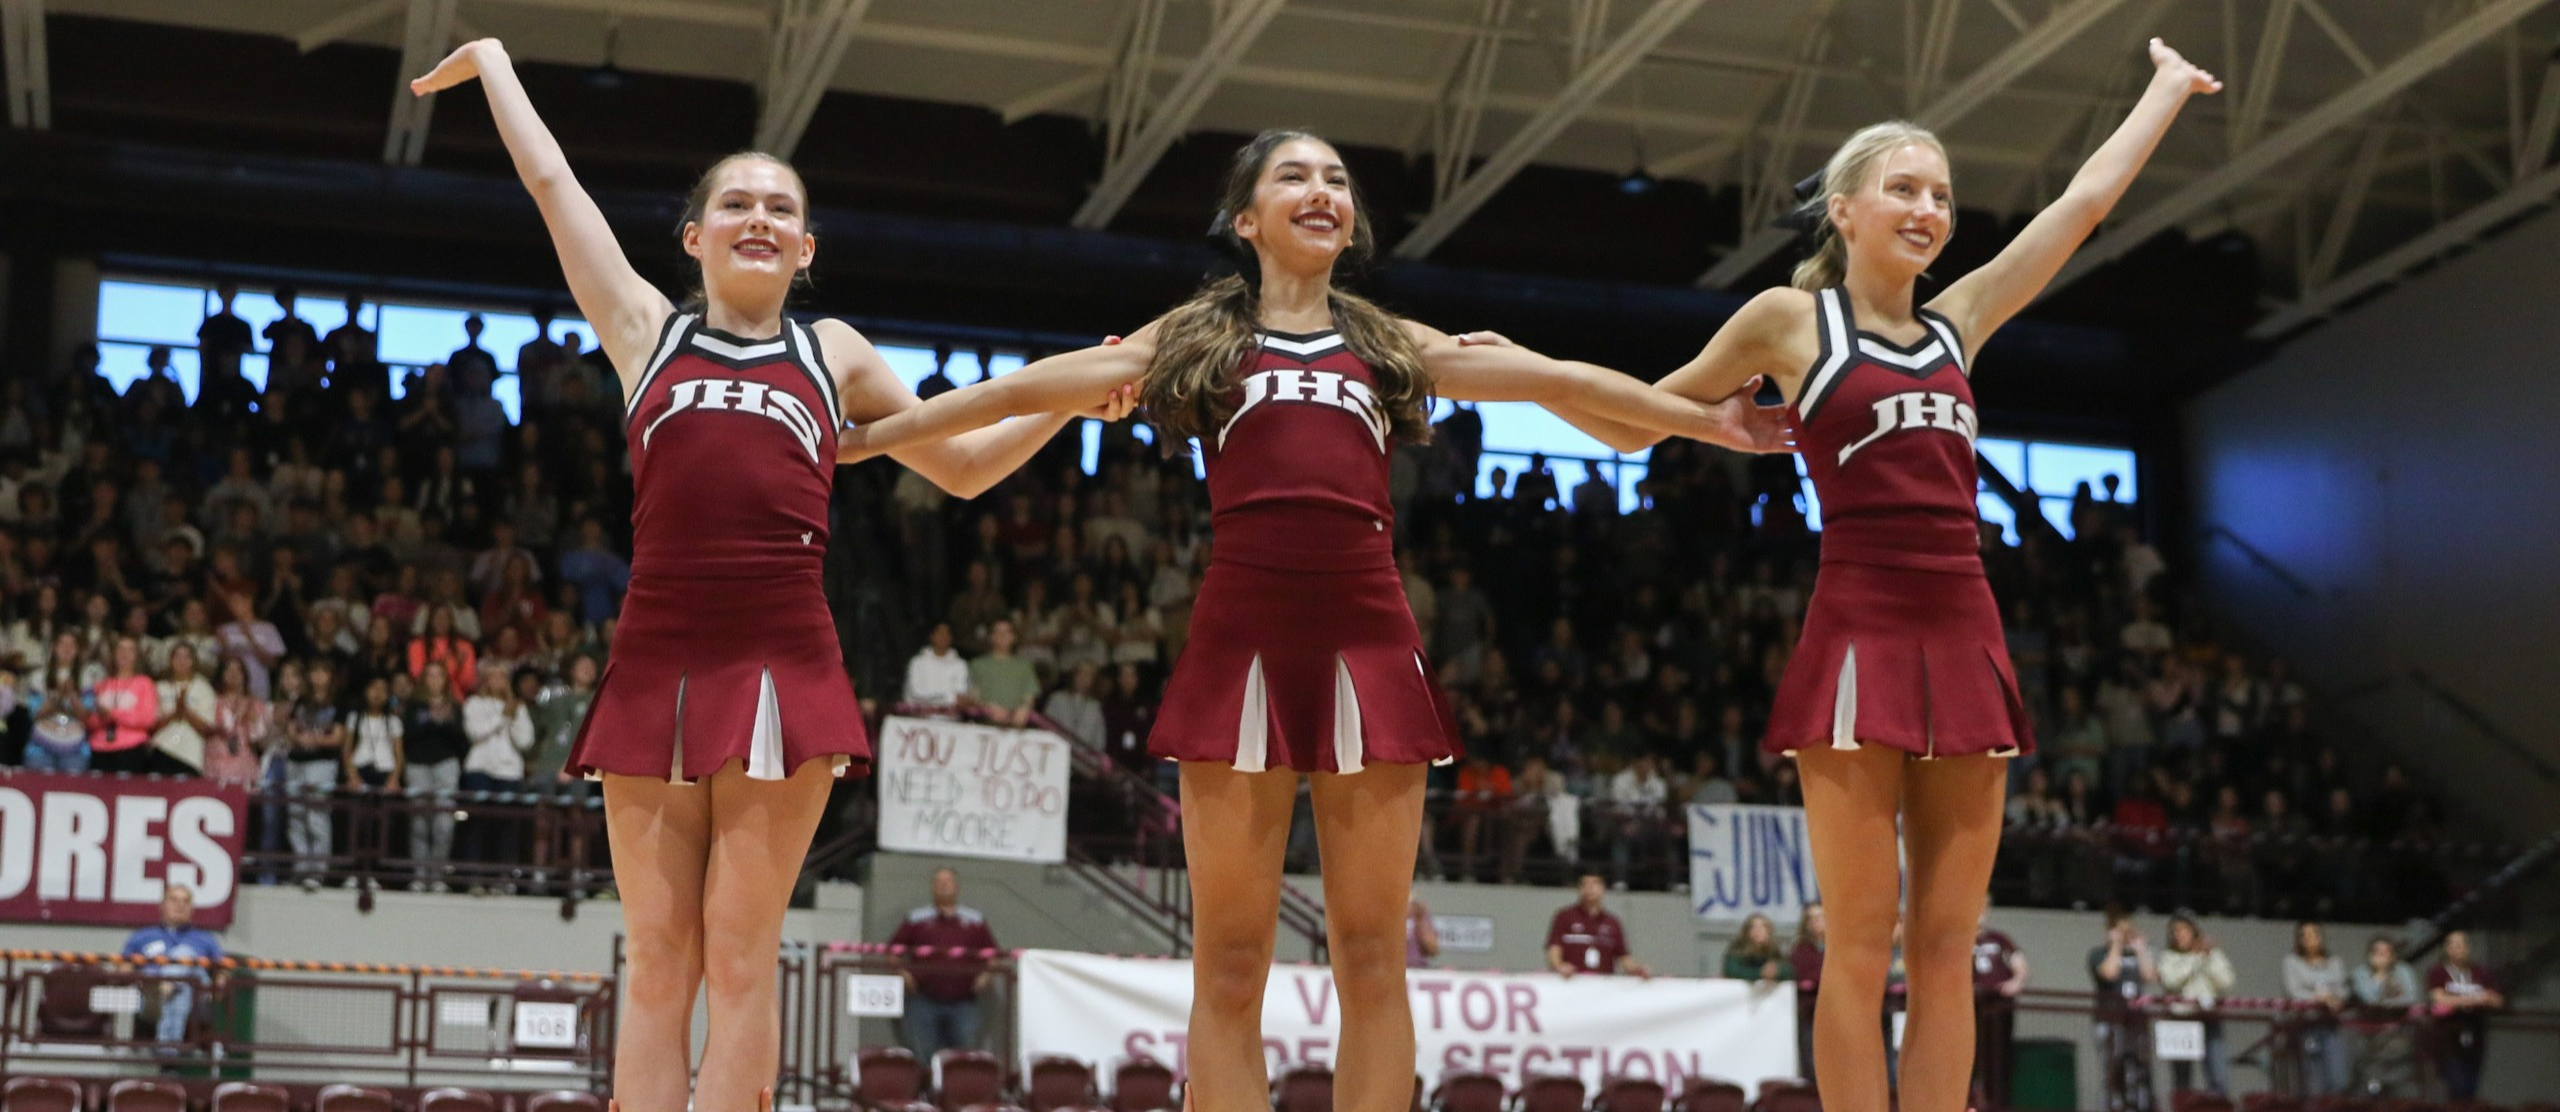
134	315
1513	431
2047	470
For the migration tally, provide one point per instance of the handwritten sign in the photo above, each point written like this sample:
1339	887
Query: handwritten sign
973	790
1746	858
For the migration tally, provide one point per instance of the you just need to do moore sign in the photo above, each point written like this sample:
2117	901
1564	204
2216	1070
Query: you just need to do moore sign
974	790
95	849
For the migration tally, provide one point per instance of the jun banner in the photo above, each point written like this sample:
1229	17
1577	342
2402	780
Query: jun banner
1102	1010
1746	858
969	789
88	848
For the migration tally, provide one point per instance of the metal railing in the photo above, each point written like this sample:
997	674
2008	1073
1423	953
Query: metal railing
82	1013
518	842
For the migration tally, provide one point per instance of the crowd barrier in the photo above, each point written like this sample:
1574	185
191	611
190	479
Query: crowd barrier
310	1023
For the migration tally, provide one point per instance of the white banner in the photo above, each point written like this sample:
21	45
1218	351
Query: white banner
1103	1010
1746	858
968	789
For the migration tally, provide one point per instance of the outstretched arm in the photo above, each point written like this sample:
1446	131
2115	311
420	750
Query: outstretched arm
622	307
1980	302
1621	412
1065	384
963	463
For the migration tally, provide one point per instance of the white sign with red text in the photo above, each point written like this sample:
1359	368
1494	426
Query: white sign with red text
974	790
88	848
1102	1010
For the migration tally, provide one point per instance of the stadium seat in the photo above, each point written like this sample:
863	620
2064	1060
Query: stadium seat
1469	1091
346	1097
1787	1095
965	1077
1630	1095
1714	1095
564	1101
1550	1093
458	1099
250	1097
2262	1101
52	1095
65	1012
2198	1101
886	1078
1057	1082
1141	1084
1302	1088
146	1095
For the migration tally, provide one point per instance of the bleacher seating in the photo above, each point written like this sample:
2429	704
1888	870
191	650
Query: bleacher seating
49	1095
146	1095
967	1078
1622	1095
1559	1093
1470	1091
1058	1082
1141	1084
1302	1088
251	1097
1713	1095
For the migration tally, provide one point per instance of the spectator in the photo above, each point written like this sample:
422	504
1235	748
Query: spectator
1999	976
500	729
442	645
1812	935
187	716
375	757
937	676
1754	955
224	337
173	953
314	765
557	714
1421	936
2120	971
2146	635
1484	790
1636	795
58	741
2317	980
1584	938
2462	995
2199	972
2387	994
976	608
1001	684
1075	706
1708	784
127	710
235	748
432	737
597	571
951	943
1128	714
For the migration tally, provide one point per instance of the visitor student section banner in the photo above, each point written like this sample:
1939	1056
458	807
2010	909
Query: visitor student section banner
1102	1009
87	848
970	789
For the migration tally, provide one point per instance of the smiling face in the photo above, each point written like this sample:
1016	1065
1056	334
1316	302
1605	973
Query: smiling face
1301	214
1900	214
750	230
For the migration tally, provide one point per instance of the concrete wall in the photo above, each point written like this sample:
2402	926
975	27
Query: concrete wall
2400	460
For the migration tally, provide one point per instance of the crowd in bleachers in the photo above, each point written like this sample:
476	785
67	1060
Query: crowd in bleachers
320	586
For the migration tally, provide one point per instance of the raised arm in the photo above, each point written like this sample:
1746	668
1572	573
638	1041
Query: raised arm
951	444
1980	302
1622	412
623	308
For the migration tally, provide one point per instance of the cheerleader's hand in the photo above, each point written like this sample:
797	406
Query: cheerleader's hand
1760	428
1484	339
463	65
2171	65
1117	405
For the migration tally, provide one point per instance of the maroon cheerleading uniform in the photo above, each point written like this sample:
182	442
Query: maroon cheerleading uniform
726	649
1902	643
1303	652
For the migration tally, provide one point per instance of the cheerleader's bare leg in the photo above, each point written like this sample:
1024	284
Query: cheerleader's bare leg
1851	801
1368	825
661	838
760	832
1235	835
1951	811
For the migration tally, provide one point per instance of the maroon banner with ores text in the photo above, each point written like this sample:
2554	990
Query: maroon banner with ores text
96	849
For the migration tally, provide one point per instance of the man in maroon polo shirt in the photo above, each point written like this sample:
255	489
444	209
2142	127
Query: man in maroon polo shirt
1585	939
942	991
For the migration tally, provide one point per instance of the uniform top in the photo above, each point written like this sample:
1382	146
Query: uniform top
1887	432
732	453
1992	951
1298	476
1592	942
